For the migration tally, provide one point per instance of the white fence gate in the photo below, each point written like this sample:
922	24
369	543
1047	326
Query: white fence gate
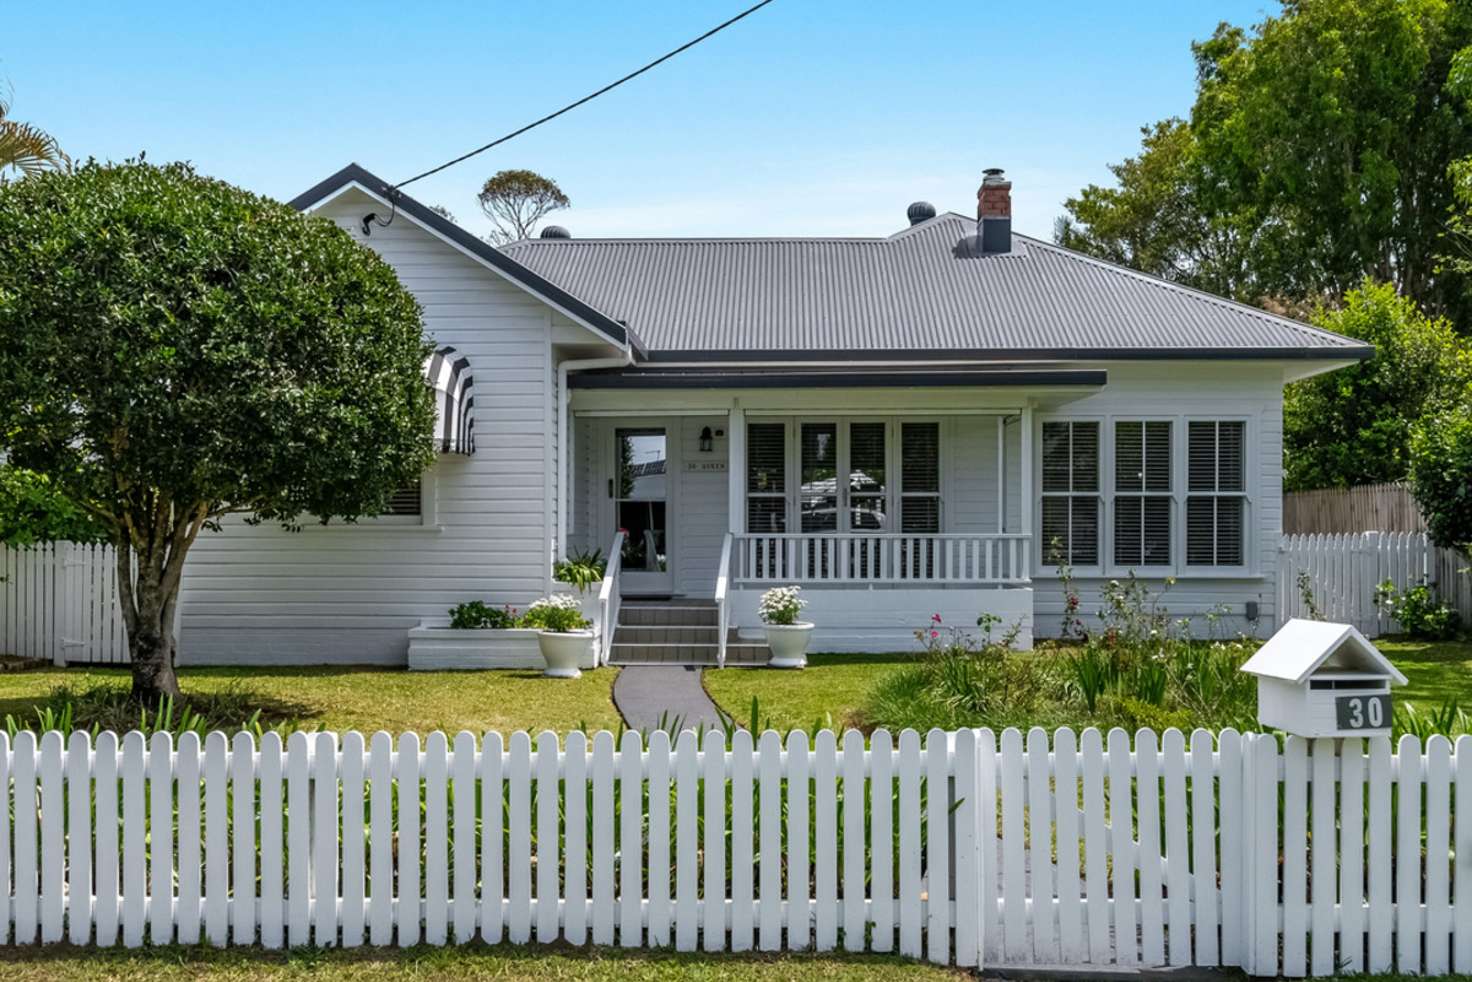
59	603
1222	850
1344	570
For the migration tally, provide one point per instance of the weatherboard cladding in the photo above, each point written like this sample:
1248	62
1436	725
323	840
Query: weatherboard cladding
923	289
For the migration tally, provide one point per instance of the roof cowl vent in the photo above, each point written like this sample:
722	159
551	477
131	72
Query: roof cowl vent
920	211
555	232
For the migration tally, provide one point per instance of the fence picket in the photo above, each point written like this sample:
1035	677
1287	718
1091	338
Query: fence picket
26	873
1295	857
298	839
519	858
78	838
1122	848
1438	848
1149	851
1381	917
106	874
1096	858
713	928
881	839
1323	859
53	856
633	886
243	787
354	893
190	910
603	830
548	836
1462	850
160	838
380	837
273	906
575	889
1201	882
909	845
1072	943
1408	857
938	892
1352	855
742	848
854	865
1014	848
969	865
135	900
1040	824
687	843
799	911
769	907
825	840
325	840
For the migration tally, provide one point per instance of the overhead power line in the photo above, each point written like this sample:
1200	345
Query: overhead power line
587	98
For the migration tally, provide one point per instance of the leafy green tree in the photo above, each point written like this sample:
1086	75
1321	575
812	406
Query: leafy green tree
174	349
32	511
1354	426
516	200
1441	472
1318	152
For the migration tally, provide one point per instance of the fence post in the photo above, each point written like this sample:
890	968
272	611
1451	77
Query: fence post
1367	562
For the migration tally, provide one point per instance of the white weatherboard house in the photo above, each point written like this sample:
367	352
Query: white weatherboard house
901	424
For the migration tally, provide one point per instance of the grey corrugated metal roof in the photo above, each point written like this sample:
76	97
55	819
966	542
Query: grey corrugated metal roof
924	291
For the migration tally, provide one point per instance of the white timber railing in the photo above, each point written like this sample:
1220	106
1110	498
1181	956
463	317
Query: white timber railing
723	589
982	558
608	597
1279	856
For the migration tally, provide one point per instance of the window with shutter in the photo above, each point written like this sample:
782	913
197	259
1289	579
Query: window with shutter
766	477
1070	492
1216	498
920	477
868	477
1142	498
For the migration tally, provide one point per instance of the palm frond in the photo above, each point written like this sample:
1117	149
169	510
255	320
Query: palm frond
29	149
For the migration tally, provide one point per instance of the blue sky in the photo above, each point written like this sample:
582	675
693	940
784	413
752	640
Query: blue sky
810	117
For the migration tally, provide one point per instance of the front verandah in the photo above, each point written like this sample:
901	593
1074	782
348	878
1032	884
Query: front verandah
884	519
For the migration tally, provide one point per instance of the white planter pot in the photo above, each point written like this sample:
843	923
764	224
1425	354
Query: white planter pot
564	652
789	644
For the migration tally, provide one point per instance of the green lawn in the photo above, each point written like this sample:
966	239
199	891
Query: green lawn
473	962
830	688
833	686
371	699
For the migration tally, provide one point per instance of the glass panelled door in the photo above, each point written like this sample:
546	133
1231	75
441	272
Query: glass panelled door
844	488
641	486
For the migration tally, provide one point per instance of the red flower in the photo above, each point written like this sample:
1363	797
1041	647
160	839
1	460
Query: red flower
935	618
935	634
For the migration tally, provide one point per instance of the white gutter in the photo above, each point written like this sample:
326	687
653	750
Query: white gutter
565	430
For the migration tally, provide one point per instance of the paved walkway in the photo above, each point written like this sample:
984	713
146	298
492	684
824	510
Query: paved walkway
652	697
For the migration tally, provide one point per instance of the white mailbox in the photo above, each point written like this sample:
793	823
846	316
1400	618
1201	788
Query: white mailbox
1317	679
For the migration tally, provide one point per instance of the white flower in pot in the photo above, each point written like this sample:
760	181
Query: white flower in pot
786	635
563	635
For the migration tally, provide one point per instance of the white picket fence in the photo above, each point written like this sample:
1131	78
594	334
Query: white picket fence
1344	570
1163	853
59	603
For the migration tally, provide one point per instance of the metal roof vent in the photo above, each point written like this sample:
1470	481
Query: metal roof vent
920	211
555	232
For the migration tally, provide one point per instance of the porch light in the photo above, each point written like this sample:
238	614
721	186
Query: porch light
707	442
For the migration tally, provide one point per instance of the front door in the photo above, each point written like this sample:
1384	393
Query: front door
641	496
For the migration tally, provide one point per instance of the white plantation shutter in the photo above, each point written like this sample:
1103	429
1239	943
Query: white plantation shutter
868	478
1216	503
766	477
1142	521
920	477
1070	505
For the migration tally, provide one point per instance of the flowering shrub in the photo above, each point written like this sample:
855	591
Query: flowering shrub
781	605
476	615
560	613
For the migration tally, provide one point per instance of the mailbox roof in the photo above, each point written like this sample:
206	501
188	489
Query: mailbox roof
1301	647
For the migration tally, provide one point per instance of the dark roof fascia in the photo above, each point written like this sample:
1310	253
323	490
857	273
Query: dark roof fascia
770	379
615	331
719	356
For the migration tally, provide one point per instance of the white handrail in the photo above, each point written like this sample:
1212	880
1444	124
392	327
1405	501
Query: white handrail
723	576
884	558
608	598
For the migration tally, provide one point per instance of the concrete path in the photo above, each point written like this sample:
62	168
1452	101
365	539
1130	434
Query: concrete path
651	696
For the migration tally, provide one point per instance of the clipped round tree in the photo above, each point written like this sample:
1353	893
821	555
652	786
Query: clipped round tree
174	349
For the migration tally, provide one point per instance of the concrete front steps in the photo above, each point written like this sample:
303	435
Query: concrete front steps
677	632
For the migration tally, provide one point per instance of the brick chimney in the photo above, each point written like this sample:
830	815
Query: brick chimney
994	212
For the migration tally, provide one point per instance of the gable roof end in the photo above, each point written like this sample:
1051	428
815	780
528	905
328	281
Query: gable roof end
528	279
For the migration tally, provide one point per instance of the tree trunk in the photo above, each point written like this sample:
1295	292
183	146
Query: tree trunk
147	598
